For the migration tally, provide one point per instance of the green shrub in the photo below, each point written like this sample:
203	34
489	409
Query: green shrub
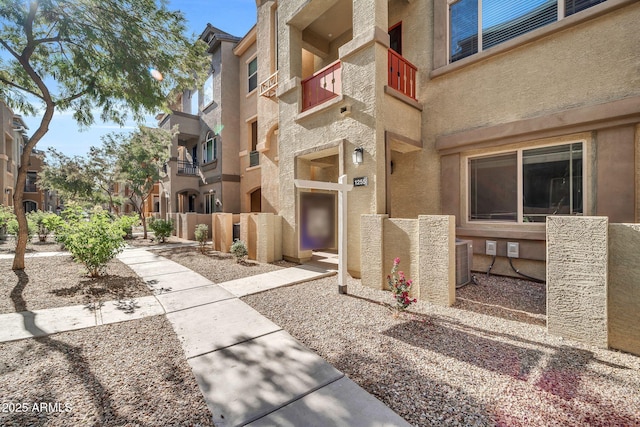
94	242
12	228
54	223
161	228
239	250
6	215
127	222
202	234
41	221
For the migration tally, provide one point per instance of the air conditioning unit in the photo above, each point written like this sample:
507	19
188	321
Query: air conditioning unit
464	260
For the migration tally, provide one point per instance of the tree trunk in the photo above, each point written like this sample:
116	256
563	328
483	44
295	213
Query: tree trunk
144	224
23	228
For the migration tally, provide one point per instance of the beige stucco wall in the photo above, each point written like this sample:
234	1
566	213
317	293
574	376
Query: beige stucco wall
425	246
363	66
267	108
624	287
577	263
539	78
250	180
222	231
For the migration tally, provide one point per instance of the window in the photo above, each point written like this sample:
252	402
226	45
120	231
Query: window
252	69
30	184
194	103
476	25
209	202
209	148
254	155
550	182
207	91
29	206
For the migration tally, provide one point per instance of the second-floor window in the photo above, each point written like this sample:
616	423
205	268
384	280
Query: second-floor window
194	103
252	71
207	91
30	184
477	25
209	148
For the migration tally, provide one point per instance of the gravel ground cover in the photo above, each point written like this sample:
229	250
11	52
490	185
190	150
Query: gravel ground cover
217	266
126	374
58	281
471	365
8	246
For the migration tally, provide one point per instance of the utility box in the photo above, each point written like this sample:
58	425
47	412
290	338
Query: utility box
513	249
490	247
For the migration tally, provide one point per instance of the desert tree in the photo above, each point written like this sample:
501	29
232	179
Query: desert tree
94	58
141	157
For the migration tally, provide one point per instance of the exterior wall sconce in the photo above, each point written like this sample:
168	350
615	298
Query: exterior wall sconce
7	191
358	156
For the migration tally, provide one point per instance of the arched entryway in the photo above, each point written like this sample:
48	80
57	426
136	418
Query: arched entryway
29	206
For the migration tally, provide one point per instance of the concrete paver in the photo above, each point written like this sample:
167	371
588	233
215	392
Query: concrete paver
342	403
142	258
211	327
275	279
171	282
247	381
116	311
38	323
36	255
156	268
175	301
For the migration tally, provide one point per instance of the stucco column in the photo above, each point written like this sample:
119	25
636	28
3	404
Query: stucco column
577	268
437	258
368	14
372	244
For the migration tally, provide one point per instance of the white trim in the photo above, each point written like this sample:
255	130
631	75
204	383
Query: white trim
251	58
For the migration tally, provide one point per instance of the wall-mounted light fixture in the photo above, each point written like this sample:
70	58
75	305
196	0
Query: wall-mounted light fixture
358	156
7	191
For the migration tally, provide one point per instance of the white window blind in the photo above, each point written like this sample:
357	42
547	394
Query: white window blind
477	25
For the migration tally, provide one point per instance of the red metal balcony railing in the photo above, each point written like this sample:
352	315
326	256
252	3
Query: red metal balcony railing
402	74
322	86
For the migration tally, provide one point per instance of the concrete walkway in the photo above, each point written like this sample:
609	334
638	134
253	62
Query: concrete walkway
250	371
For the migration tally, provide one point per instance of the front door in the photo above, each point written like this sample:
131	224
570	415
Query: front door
317	221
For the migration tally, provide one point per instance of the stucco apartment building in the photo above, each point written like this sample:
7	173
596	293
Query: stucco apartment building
227	128
203	170
13	134
497	115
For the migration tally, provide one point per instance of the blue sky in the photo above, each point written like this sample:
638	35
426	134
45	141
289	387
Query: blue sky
233	16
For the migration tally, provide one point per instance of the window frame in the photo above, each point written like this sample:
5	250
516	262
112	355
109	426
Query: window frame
214	148
561	16
205	101
194	97
465	193
250	76
210	202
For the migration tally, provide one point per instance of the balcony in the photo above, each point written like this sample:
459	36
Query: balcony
322	86
188	168
402	75
254	158
30	188
269	86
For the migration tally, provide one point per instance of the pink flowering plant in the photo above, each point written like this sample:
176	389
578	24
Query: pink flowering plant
400	287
